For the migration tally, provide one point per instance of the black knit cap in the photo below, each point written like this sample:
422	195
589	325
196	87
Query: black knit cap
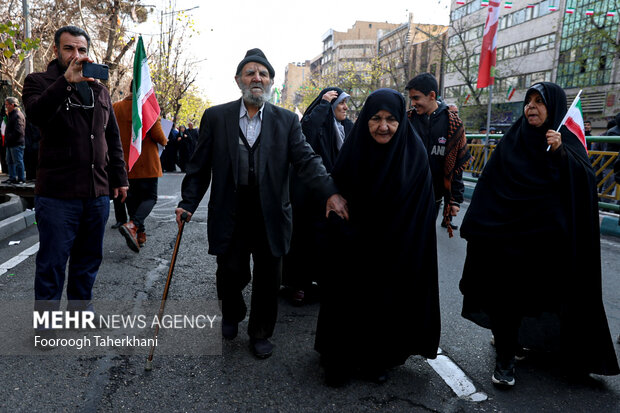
256	55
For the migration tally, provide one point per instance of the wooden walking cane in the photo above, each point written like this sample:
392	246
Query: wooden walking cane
149	361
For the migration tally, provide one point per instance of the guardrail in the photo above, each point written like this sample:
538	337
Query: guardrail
602	162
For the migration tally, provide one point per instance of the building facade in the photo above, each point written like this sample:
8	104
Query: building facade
549	40
410	49
295	76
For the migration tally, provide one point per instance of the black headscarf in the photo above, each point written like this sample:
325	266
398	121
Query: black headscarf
321	134
533	232
521	189
392	220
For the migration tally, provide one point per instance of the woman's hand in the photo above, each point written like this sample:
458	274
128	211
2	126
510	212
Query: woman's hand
331	95
554	139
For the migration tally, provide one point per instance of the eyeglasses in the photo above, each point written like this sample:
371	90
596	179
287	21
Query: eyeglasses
77	105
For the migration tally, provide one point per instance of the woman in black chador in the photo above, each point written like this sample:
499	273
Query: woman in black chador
533	268
325	126
380	299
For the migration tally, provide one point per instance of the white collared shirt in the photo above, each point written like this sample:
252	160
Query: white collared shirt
250	127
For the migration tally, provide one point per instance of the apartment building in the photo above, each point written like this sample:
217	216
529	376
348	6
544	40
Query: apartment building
295	75
410	49
550	40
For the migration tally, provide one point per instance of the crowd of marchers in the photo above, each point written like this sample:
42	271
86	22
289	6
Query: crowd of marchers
306	200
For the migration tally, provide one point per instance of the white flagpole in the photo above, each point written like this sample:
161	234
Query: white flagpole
567	112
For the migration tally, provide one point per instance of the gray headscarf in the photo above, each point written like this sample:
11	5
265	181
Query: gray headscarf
339	126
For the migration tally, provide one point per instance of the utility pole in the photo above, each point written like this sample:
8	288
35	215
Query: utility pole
27	34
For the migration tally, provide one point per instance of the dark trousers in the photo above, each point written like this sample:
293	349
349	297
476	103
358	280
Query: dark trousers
69	230
120	210
505	328
3	164
141	198
233	270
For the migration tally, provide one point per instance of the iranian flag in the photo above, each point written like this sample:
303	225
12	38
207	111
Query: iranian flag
4	122
573	120
553	8
484	3
530	6
488	52
570	10
611	13
460	2
510	92
508	5
145	110
590	12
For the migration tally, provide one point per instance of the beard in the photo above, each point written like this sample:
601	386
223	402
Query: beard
252	99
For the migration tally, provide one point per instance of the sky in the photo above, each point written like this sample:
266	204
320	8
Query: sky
285	30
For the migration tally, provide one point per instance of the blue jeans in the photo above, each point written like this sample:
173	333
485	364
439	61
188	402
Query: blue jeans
69	230
15	161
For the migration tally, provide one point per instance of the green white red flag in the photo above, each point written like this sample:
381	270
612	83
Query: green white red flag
611	13
573	120
3	124
488	52
145	109
510	92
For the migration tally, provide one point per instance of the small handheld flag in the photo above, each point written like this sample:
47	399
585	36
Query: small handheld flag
573	120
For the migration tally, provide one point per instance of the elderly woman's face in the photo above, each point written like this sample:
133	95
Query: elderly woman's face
535	109
382	126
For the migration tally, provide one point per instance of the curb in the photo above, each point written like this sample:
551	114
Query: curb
13	217
609	226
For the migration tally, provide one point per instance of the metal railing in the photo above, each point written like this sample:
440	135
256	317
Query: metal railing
602	162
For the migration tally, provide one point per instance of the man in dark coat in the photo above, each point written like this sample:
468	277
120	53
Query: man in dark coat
80	165
245	150
14	138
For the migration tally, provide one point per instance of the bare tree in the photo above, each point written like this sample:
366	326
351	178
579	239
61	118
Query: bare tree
106	22
172	74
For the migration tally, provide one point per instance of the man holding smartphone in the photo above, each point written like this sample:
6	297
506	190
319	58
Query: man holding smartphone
80	165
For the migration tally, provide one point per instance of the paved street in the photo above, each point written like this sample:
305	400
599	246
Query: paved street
291	380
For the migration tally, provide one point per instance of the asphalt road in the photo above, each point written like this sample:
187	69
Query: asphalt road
230	379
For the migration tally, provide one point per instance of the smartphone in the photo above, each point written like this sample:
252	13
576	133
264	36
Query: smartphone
95	70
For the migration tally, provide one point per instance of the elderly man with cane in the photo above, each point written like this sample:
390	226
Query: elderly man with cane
244	152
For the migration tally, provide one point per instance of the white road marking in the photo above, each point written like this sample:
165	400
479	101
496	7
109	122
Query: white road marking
454	377
13	262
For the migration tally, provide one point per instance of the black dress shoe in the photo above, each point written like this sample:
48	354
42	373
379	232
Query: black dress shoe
261	347
229	330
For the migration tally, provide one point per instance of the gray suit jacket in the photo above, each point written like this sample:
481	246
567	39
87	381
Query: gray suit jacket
215	163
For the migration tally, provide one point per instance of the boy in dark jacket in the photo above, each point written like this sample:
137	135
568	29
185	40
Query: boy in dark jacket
443	135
